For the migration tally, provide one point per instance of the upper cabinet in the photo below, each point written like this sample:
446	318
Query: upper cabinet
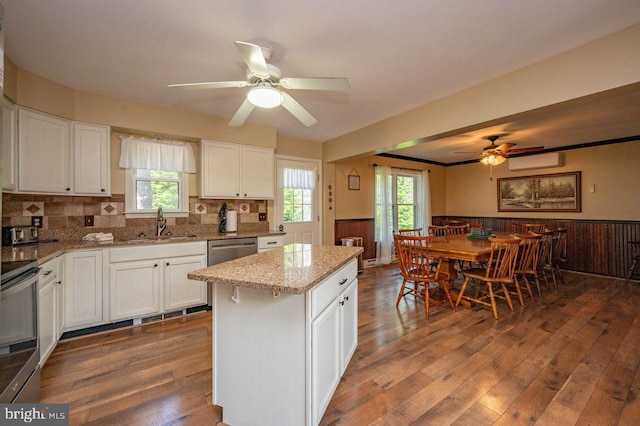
57	156
92	173
9	146
44	153
230	170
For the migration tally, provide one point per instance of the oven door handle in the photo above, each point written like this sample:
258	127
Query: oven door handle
22	283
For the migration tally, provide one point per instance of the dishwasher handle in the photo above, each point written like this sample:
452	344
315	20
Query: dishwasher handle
232	246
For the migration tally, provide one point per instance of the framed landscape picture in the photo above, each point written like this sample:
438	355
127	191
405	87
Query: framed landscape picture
559	192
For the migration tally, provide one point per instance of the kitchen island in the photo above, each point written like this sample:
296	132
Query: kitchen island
284	330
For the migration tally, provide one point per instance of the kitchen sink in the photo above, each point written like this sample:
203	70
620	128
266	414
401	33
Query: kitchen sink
160	238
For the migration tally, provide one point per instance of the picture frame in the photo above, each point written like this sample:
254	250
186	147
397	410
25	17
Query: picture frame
556	192
354	182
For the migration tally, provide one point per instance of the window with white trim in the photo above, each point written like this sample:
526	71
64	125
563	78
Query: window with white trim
146	190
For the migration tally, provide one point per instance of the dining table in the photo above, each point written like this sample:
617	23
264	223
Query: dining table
463	248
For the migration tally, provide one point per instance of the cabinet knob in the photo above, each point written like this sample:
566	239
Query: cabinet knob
103	190
155	265
167	263
58	282
68	189
237	195
342	303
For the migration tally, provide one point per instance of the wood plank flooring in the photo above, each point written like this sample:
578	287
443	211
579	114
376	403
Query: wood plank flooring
571	357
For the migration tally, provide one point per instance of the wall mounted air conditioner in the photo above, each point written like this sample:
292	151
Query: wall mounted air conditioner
540	161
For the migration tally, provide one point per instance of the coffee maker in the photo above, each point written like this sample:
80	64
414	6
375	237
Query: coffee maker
222	218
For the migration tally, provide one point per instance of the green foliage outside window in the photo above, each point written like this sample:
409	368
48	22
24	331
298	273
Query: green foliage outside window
157	188
298	205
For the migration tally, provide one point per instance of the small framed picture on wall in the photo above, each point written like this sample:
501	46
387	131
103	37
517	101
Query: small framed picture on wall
354	180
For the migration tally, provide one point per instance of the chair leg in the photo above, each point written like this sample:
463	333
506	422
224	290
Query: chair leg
444	286
462	289
519	290
494	307
537	283
401	293
526	281
427	302
507	296
633	267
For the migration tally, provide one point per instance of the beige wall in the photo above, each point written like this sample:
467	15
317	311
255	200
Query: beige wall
351	204
299	148
602	65
613	169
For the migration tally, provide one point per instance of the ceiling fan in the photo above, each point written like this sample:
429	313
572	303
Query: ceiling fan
266	82
494	155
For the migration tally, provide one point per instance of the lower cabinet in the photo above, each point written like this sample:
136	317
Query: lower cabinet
148	287
83	289
292	348
50	307
145	281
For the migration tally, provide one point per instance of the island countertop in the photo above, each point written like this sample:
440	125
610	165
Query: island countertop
294	268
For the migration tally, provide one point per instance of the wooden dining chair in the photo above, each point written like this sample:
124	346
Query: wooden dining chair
415	232
527	264
417	269
559	251
457	229
545	257
438	231
533	227
491	283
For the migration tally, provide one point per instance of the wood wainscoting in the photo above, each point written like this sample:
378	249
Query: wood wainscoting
364	228
593	246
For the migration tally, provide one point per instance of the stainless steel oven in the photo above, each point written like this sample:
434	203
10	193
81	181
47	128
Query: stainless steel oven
19	345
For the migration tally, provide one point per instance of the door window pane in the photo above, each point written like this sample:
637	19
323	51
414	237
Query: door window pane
298	205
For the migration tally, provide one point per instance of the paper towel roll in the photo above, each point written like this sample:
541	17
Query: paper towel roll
232	221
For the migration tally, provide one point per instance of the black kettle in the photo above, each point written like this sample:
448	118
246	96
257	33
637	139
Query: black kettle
222	218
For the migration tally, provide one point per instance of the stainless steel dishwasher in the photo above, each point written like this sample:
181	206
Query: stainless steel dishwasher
220	251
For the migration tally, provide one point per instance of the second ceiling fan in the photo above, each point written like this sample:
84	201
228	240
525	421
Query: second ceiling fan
266	82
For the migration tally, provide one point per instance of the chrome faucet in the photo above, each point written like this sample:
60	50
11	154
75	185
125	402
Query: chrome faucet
161	222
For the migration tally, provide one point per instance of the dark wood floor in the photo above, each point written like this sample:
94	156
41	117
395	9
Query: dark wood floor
571	357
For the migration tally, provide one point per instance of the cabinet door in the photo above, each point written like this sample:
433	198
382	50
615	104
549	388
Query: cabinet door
83	288
348	324
325	359
91	159
219	170
44	153
9	146
258	165
134	289
180	292
47	324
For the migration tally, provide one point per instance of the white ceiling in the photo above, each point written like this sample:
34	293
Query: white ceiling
396	54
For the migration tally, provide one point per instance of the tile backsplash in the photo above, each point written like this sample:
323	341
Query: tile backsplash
63	217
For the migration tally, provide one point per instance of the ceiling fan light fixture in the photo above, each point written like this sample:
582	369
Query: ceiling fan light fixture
265	96
492	160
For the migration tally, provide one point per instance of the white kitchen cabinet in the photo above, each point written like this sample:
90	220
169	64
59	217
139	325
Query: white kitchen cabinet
150	280
91	159
230	170
292	349
9	146
270	242
83	287
57	156
134	289
49	307
44	153
179	291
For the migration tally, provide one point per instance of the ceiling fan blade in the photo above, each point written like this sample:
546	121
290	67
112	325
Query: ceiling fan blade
208	85
521	150
242	114
254	58
504	147
315	83
298	110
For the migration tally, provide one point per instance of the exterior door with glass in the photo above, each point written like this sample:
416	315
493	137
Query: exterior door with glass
297	201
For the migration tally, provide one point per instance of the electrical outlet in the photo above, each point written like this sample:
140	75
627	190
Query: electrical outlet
36	221
262	217
88	220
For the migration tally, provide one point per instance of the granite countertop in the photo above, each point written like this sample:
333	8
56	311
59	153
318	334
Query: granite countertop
46	251
294	268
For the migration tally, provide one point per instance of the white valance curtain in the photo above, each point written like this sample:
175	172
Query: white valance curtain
384	216
140	153
298	176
